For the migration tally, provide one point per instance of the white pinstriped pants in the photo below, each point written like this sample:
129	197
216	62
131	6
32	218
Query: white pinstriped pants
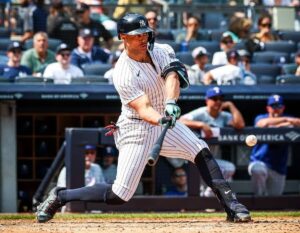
179	142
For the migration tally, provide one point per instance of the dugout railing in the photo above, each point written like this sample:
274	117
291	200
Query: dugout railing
74	161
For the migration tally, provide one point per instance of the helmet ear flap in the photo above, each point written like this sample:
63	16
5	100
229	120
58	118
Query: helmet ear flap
151	40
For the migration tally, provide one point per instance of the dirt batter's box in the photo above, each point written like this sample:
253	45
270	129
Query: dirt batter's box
76	138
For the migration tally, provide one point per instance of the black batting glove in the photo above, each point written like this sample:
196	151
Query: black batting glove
167	119
172	109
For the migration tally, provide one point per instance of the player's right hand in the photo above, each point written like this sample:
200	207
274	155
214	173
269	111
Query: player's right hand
164	120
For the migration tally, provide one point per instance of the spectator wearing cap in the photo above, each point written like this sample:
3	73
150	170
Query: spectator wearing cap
13	68
98	31
216	114
93	172
268	162
86	52
196	71
109	164
39	56
109	74
62	71
229	74
227	43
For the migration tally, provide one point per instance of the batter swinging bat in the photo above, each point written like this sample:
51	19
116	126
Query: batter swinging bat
154	153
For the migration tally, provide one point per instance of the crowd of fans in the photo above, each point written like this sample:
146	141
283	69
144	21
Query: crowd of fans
90	37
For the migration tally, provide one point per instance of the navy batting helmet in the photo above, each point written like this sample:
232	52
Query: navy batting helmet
135	24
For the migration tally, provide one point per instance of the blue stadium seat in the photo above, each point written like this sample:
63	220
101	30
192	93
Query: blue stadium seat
214	20
209	67
288	79
290	36
211	46
265	73
33	80
289	68
4	32
96	68
173	44
216	34
53	43
185	57
271	57
281	46
164	34
4	42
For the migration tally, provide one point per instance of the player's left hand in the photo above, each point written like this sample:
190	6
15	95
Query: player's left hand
172	109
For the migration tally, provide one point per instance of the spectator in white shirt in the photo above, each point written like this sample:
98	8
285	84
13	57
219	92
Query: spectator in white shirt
62	71
196	71
236	71
227	43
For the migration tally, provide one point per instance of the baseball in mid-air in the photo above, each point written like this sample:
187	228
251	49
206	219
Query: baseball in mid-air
251	140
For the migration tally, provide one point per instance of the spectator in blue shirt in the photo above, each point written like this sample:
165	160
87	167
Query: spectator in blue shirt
86	52
268	162
13	69
179	180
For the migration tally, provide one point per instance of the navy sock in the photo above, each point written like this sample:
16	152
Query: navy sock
96	193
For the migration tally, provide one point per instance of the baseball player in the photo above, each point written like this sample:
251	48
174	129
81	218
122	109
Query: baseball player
148	78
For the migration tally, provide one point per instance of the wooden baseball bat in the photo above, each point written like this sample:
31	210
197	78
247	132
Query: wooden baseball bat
155	150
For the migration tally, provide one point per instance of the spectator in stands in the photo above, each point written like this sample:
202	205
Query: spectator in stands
62	71
265	33
268	162
60	25
93	172
216	114
196	71
39	56
97	29
280	2
297	61
249	78
109	74
192	31
226	44
86	52
109	164
13	69
240	26
179	180
153	22
229	74
120	11
34	18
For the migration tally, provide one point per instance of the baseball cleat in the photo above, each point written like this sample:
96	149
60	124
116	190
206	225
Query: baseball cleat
238	213
47	209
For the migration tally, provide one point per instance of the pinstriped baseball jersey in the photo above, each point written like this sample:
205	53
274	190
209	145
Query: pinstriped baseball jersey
135	137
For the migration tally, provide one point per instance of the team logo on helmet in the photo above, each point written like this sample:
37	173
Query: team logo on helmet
142	23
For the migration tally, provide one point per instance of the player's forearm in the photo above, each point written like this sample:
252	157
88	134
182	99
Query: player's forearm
267	122
150	115
172	86
238	120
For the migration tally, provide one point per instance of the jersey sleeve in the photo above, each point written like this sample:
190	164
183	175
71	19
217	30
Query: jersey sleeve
128	89
166	55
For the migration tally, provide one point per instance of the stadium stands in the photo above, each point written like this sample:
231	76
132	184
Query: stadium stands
289	68
53	43
88	79
270	57
288	79
96	68
281	46
185	57
33	80
265	73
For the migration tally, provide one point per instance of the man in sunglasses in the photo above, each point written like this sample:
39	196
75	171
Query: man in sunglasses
62	71
213	116
227	43
268	162
13	68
